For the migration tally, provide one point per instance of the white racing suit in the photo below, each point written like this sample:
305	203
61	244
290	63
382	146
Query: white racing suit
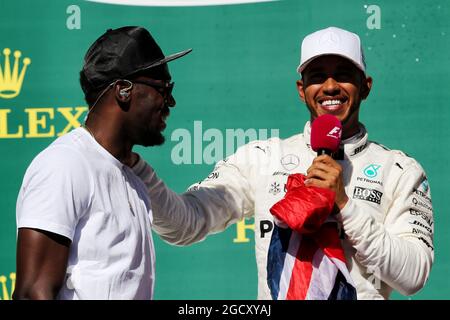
386	226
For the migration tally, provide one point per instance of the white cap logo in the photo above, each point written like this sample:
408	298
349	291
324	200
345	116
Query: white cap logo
329	39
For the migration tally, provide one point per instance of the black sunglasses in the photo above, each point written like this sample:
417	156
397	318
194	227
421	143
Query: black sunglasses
166	87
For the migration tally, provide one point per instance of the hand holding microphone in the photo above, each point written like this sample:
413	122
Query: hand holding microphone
325	172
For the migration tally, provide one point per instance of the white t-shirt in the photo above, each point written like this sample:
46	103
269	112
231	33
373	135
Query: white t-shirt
77	189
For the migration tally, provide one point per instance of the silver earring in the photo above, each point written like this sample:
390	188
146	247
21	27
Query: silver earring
124	94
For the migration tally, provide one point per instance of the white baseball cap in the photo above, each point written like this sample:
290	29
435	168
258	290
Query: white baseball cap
334	41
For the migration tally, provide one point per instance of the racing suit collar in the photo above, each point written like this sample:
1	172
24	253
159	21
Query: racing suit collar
352	146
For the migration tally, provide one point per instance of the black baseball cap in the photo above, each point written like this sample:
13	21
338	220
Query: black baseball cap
120	53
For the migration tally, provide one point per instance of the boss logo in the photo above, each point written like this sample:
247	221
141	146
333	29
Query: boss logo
359	149
367	194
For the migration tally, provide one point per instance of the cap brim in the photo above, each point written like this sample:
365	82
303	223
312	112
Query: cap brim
167	59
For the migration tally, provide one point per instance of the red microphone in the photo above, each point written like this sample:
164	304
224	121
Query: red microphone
326	132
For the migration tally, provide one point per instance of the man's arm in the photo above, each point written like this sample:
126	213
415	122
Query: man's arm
41	264
398	251
54	196
210	206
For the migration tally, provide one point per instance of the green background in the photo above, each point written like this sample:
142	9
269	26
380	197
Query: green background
241	74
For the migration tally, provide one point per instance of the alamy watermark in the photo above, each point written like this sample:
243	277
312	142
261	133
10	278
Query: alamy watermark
73	21
199	146
374	19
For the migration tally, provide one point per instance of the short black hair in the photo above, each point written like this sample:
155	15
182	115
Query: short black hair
90	93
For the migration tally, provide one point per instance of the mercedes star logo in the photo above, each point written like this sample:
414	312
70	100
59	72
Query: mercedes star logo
290	162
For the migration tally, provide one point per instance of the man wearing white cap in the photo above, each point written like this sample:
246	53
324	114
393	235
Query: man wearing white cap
383	202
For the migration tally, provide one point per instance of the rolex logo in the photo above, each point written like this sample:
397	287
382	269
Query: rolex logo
4	293
11	80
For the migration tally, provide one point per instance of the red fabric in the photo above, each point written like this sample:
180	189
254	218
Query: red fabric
301	274
330	244
304	209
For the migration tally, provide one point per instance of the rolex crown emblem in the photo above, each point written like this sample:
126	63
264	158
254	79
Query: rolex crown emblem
11	80
4	293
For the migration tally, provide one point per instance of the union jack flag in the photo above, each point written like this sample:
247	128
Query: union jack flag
305	259
308	267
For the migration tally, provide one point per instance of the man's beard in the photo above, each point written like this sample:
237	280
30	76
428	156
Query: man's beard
153	138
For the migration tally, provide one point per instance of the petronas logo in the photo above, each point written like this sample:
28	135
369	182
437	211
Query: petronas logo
7	286
11	79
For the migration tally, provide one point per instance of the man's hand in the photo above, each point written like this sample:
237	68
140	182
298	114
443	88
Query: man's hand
327	173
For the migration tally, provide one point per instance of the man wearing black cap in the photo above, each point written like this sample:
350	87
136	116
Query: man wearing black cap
84	218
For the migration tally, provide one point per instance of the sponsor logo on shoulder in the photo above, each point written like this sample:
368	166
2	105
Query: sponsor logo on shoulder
421	204
425	216
213	175
367	194
418	231
417	223
423	195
